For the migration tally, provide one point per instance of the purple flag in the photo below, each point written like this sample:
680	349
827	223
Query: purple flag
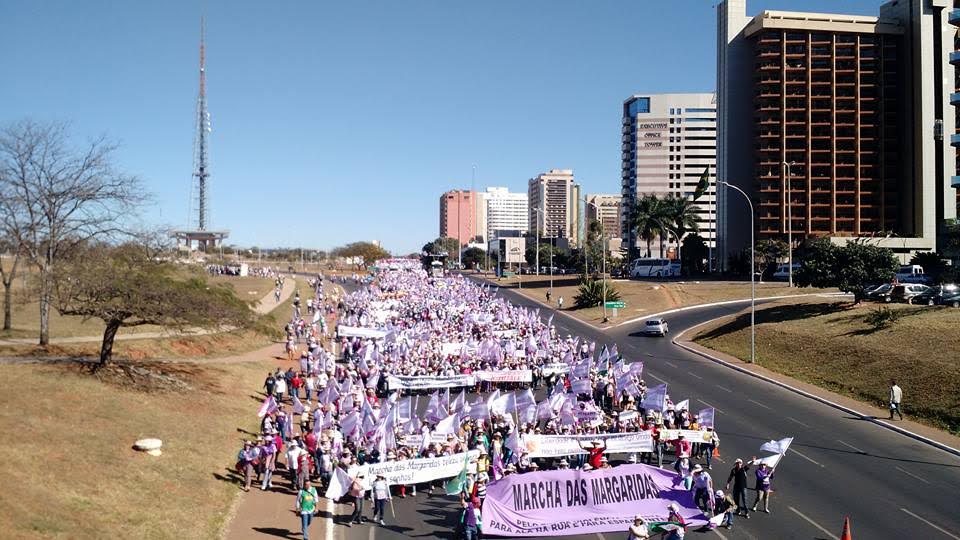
706	417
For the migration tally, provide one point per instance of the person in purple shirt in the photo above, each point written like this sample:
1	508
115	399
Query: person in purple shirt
471	520
764	475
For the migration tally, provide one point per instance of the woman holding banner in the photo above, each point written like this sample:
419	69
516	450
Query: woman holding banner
638	531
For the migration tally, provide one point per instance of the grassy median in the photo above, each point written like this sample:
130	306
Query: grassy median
832	345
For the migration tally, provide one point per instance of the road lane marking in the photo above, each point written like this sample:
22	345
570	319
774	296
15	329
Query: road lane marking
650	355
760	404
328	525
806	458
601	537
657	378
722	537
851	446
709	405
692	374
373	528
724	388
908	473
669	363
951	535
797	421
814	523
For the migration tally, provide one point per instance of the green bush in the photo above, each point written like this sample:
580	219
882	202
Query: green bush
590	294
882	317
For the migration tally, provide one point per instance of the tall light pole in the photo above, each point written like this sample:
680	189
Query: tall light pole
603	254
789	224
753	283
537	249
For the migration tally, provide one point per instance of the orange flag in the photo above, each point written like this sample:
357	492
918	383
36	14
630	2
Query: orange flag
845	535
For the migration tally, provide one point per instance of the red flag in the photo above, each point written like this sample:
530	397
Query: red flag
845	535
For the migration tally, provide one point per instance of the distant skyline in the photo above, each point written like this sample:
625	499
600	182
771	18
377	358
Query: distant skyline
336	122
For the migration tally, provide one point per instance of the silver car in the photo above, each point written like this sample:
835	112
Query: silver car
655	327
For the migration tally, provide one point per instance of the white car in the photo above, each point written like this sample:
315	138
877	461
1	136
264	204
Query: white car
655	327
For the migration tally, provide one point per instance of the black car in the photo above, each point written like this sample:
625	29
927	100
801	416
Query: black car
881	293
939	295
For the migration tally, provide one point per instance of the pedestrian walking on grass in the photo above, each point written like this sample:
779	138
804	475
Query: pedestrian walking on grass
560	303
896	395
307	507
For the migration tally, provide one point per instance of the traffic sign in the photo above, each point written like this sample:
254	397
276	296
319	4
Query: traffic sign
615	305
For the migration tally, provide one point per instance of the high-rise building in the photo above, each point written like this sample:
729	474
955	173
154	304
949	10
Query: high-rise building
606	210
850	109
668	140
554	205
458	215
504	212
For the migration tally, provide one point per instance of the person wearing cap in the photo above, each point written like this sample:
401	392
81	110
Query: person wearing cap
306	507
723	504
639	530
702	489
673	515
381	494
738	475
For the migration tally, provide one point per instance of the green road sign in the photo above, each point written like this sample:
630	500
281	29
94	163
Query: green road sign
619	305
509	274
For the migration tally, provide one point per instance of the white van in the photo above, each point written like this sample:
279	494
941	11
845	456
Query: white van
641	268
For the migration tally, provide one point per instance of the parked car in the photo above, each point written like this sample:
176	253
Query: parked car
879	293
905	292
950	298
783	271
936	295
656	327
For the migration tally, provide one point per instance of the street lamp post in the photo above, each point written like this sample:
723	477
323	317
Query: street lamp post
753	283
537	250
789	224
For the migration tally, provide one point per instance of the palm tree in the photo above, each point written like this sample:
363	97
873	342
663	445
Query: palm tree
647	218
681	217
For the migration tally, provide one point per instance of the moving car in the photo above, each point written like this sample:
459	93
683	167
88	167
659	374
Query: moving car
655	327
905	292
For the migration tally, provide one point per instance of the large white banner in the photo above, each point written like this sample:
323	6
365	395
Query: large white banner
568	445
418	382
688	434
505	375
413	471
554	367
356	331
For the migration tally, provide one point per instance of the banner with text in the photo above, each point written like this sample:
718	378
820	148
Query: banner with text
575	502
506	375
435	381
568	445
688	434
413	471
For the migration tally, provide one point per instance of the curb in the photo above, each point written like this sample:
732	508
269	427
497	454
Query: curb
804	393
725	303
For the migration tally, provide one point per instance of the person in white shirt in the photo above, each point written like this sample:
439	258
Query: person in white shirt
293	456
702	488
381	494
639	530
896	395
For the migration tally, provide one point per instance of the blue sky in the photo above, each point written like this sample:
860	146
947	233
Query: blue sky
343	121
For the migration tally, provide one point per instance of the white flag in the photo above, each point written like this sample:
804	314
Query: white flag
777	447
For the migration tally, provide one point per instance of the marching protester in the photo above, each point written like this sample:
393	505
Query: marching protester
432	380
764	476
306	507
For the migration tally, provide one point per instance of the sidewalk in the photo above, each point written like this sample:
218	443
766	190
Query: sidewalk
864	410
264	306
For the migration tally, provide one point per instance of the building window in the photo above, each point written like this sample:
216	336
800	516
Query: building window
638	106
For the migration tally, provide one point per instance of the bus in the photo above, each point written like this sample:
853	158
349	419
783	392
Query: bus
436	269
641	268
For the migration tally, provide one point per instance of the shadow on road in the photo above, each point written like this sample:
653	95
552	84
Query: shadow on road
276	531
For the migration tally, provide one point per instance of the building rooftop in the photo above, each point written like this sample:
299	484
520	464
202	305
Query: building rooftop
826	22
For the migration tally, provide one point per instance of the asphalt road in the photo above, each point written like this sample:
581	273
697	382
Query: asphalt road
889	485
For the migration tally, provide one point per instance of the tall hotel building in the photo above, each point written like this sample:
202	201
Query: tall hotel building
506	213
667	142
850	110
554	205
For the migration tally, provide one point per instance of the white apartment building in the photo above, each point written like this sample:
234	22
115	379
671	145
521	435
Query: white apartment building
504	211
554	205
605	209
667	142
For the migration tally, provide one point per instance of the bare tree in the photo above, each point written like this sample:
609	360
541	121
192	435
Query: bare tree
12	247
55	196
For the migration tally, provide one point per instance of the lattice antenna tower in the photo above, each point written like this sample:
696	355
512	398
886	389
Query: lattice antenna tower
201	168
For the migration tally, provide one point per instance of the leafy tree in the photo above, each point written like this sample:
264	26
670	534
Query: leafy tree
768	253
545	248
850	268
363	253
446	244
932	263
694	252
591	294
473	257
647	218
681	218
129	285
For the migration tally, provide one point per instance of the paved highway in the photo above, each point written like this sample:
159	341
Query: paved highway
890	486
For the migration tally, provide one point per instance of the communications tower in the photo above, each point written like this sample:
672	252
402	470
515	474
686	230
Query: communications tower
205	238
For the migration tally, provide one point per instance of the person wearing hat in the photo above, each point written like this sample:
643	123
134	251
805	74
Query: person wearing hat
356	493
307	507
245	463
595	452
764	475
381	494
564	464
605	463
702	489
723	504
639	530
673	515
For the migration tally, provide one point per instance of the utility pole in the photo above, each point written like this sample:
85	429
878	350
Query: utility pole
753	273
789	224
